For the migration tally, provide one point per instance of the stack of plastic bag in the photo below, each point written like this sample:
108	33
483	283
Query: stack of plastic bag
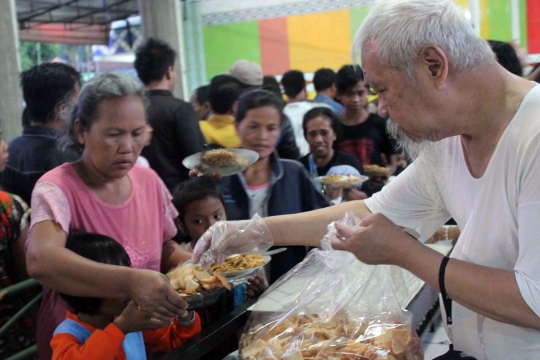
332	307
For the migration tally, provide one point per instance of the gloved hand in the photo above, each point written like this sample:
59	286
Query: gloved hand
226	238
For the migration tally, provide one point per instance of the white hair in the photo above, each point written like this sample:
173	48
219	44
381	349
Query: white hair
401	28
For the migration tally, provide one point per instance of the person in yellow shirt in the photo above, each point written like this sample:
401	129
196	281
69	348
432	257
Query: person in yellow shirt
220	128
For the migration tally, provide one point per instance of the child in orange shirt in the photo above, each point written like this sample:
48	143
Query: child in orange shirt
113	328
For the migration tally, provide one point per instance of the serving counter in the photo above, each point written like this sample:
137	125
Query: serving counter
421	300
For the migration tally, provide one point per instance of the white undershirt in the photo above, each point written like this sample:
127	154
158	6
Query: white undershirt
499	218
257	199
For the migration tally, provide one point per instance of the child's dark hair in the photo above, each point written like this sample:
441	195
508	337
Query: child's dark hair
98	248
257	99
195	189
326	112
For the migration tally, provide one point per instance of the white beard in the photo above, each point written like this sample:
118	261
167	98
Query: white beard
426	155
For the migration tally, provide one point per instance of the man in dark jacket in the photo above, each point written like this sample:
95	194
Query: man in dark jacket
176	125
50	91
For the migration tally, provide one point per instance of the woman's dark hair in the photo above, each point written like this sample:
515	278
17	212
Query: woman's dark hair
224	91
347	77
326	112
152	60
192	190
257	99
98	248
94	92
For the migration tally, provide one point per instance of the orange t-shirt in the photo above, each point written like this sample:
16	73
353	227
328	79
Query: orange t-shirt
106	344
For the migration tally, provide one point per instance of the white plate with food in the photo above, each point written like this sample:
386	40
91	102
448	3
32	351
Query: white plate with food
342	181
224	162
376	171
241	265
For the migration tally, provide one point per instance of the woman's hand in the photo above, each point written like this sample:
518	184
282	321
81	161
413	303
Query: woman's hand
255	286
354	194
226	238
377	241
132	320
154	295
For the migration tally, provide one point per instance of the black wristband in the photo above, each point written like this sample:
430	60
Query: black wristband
442	271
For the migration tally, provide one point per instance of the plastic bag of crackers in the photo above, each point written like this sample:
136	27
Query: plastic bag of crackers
332	307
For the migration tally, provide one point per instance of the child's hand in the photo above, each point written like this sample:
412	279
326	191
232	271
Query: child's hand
255	286
132	320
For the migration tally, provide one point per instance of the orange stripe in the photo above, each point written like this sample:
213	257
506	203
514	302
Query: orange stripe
274	46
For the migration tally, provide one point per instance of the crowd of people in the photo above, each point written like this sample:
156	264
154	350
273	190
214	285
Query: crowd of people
113	208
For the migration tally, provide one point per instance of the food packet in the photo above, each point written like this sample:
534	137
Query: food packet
332	307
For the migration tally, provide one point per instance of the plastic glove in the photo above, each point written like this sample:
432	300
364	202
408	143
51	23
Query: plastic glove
350	220
226	238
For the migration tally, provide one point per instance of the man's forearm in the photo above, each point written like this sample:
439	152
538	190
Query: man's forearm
308	228
488	291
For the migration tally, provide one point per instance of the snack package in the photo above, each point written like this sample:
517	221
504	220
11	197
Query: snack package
332	307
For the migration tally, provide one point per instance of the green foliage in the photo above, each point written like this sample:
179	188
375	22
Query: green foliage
33	53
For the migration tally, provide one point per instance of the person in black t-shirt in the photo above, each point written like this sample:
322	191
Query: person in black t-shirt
364	134
321	129
176	125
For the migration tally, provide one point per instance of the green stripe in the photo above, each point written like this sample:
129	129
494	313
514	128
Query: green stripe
224	44
500	20
357	17
523	23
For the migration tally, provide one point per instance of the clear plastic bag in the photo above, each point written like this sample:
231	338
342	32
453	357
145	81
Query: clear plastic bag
228	238
332	307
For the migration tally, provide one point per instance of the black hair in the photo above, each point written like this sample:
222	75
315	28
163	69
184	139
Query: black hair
202	94
100	88
271	84
47	86
257	99
326	112
506	56
225	90
98	248
152	59
324	79
192	190
347	77
293	82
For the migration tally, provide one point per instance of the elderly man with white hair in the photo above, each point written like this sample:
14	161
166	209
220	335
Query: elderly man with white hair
474	129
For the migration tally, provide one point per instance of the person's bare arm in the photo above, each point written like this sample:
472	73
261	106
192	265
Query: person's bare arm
309	228
172	255
535	75
19	261
54	266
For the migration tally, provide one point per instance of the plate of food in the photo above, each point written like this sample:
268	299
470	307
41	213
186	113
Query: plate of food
240	265
342	181
224	162
376	171
197	286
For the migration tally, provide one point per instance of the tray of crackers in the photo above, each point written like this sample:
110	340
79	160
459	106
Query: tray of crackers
341	181
198	288
376	171
309	337
224	162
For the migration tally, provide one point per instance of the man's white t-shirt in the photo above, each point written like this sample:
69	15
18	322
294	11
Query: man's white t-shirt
499	218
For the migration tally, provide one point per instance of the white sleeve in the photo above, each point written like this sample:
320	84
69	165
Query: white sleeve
527	269
407	202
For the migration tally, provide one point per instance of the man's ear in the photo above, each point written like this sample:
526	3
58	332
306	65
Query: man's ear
168	73
434	63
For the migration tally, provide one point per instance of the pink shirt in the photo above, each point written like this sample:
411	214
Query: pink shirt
141	224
